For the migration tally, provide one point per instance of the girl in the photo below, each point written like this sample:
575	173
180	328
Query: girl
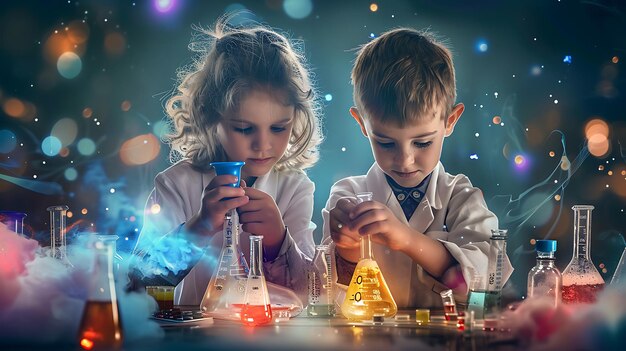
248	98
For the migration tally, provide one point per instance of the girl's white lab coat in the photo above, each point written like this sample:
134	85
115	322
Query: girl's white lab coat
452	211
178	192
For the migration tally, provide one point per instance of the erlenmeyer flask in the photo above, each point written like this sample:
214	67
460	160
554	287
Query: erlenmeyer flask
320	287
581	279
368	294
100	327
224	296
618	276
257	309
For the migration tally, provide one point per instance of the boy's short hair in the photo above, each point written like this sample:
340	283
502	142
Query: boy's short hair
403	75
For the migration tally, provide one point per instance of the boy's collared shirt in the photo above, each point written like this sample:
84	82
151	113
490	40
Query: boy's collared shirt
409	198
451	211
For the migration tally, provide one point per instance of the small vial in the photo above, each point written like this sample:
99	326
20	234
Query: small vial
378	319
422	316
402	317
460	322
449	305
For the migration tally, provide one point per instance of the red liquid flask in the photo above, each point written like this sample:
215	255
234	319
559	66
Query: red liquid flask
256	309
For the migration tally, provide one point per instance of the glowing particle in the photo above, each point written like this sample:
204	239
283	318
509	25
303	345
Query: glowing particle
604	270
373	7
607	185
372	35
623	172
298	9
557	197
69	65
164	6
565	164
535	70
533	241
610	173
473	157
502	124
328	97
556	181
495	94
156	208
343	148
70	174
87	112
551	153
51	145
615	59
519	159
112	190
481	45
34	176
126	105
567	59
106	208
69	214
84	211
601	168
476	135
496	120
601	265
556	101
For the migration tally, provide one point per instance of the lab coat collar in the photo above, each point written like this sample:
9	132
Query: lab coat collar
423	215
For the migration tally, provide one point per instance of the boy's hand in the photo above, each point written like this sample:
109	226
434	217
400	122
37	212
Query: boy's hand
344	236
217	199
375	219
261	216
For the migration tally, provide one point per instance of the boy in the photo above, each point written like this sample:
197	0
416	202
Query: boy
430	230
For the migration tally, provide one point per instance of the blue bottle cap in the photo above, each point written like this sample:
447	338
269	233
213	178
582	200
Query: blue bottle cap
546	245
233	168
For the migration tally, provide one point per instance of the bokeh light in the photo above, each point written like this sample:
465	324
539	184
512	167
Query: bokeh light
160	129
140	150
551	153
51	145
164	6
373	7
86	146
84	211
65	130
14	107
597	134
71	174
69	65
496	120
87	112
7	141
155	209
328	97
114	44
565	163
519	160
557	197
481	45
615	59
298	9
126	105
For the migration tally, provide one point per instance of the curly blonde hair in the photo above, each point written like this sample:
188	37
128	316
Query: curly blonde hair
232	61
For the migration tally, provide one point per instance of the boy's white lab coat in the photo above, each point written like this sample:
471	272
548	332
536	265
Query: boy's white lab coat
178	192
452	211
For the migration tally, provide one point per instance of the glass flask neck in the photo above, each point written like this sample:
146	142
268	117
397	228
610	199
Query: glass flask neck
366	242
256	255
231	228
582	231
104	284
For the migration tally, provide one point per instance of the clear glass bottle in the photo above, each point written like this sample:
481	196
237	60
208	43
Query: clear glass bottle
368	294
257	309
545	278
320	287
581	279
497	252
101	326
58	240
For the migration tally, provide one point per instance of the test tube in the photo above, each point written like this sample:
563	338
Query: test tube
58	243
449	305
14	221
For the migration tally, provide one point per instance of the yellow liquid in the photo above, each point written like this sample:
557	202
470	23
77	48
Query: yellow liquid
368	294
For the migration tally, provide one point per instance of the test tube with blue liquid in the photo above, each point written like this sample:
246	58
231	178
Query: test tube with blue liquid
58	239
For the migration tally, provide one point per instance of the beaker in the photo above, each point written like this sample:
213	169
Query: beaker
320	284
368	294
497	252
100	326
14	221
257	309
224	296
618	275
58	240
581	279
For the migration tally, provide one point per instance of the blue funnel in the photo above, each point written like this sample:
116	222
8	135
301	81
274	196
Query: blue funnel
233	168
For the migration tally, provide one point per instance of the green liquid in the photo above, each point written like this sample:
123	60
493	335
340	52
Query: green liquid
483	302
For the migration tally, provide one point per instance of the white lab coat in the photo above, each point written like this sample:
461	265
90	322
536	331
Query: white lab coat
452	211
178	192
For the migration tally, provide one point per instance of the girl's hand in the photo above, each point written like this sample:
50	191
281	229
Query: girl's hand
375	219
217	198
261	216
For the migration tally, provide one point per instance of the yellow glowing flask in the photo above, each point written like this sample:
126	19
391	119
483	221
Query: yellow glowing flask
368	294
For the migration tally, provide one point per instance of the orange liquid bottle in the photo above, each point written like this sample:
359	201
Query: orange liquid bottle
101	327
